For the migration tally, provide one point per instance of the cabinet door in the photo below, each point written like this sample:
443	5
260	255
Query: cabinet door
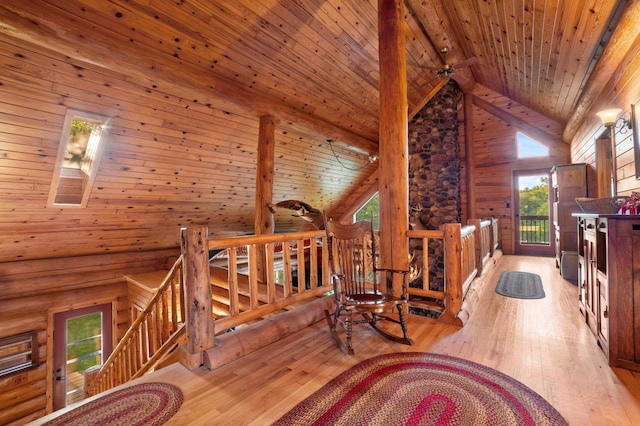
590	293
582	284
602	310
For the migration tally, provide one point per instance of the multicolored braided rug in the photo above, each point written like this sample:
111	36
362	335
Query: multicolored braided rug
422	389
143	404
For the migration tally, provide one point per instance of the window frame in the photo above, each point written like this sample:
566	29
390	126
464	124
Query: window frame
31	361
89	167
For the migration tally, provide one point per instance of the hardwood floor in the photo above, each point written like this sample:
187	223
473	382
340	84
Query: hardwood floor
543	343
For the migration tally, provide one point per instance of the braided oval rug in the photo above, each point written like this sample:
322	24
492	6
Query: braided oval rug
422	389
144	404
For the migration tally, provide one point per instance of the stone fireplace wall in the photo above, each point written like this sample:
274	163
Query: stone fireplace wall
434	175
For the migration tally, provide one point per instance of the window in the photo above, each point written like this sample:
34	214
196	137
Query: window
78	155
528	147
370	211
18	353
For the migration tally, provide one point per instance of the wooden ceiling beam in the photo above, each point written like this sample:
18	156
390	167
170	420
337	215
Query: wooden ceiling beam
622	40
170	76
532	131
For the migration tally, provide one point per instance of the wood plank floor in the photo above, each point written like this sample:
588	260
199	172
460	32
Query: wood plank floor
543	343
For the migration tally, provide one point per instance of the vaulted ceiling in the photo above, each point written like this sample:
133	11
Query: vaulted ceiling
201	72
318	60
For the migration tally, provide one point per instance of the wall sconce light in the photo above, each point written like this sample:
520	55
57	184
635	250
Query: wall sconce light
609	118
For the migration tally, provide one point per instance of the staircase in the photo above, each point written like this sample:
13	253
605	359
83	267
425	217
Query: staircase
156	332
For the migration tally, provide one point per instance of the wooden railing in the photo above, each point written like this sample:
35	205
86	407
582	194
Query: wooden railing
466	250
251	277
157	330
256	275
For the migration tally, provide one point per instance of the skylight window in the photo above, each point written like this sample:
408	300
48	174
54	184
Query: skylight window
76	165
528	147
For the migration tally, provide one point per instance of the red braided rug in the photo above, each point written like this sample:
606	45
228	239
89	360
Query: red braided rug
422	389
144	404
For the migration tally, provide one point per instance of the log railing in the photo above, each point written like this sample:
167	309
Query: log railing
466	250
202	297
157	330
296	266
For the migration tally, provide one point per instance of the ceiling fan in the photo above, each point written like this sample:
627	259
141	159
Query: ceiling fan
448	70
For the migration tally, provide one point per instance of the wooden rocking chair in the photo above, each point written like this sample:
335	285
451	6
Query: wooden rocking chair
355	277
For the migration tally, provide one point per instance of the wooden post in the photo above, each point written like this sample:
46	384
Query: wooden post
478	237
394	162
469	155
453	274
604	167
492	237
197	288
264	187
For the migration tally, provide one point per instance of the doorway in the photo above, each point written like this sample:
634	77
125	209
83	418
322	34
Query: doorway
533	215
82	338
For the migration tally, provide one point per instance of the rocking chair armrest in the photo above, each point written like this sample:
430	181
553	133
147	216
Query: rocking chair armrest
405	281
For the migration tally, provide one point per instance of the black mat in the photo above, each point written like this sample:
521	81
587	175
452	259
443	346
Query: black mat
520	285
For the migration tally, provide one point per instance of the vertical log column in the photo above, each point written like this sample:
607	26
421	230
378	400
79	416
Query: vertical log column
469	155
394	163
197	297
453	276
264	187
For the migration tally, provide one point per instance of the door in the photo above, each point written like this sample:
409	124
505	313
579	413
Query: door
82	338
533	216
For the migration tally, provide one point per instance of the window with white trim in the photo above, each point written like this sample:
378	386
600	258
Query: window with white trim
81	143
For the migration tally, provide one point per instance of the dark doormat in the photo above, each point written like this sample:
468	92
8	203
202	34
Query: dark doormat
521	285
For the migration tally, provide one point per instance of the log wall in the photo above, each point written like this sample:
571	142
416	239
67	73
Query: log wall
34	290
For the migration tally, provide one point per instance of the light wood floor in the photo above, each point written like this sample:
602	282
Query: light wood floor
542	343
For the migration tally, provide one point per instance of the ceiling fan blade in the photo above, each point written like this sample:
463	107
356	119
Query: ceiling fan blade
461	79
430	68
467	62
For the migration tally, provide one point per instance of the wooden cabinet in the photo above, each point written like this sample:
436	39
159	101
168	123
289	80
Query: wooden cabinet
568	182
587	261
609	284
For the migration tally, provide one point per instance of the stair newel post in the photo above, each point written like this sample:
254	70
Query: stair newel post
200	329
453	274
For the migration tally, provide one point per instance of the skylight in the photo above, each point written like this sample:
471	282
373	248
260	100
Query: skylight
78	154
528	147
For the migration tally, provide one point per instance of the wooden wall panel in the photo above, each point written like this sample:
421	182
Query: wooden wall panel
495	160
621	91
168	162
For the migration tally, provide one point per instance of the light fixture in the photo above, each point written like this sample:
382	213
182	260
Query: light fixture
609	118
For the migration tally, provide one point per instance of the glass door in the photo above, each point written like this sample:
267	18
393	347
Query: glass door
82	338
533	217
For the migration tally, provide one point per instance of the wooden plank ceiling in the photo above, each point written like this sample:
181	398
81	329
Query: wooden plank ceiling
186	82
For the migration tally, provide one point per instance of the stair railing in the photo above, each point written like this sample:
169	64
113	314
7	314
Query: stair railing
156	332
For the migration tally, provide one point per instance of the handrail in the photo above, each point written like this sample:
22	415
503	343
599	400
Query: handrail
296	264
155	332
465	249
240	293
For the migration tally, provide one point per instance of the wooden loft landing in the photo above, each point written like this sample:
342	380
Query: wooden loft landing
543	343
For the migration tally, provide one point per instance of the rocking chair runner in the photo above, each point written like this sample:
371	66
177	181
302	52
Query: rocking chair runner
354	276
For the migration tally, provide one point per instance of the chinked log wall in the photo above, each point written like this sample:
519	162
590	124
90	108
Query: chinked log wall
33	290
